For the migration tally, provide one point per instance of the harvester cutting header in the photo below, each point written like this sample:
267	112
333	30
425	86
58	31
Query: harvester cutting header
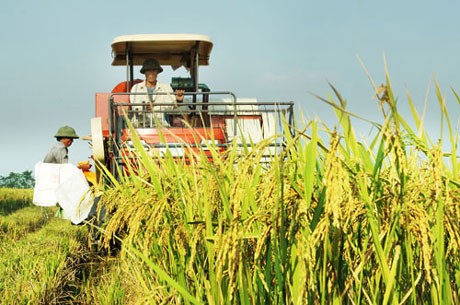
182	116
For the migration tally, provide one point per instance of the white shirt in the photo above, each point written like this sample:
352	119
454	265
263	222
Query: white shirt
156	112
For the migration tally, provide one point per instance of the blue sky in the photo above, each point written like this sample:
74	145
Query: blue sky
56	55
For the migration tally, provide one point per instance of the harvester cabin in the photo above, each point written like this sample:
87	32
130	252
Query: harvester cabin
204	117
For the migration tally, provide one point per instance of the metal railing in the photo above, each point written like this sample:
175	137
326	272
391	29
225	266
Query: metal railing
200	107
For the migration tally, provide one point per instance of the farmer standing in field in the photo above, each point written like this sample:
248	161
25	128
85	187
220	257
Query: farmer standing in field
59	153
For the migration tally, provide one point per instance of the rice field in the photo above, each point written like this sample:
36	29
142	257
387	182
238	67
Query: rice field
44	259
331	220
342	222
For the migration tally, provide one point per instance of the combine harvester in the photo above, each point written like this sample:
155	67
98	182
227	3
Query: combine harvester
204	118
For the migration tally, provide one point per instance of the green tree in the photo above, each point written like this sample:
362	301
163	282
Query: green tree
22	180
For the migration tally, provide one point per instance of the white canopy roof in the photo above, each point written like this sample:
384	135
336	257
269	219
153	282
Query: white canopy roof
174	50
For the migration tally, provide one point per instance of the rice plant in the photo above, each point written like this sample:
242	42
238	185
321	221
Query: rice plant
45	260
13	199
340	221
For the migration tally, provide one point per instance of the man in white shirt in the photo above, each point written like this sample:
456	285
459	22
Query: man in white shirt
157	97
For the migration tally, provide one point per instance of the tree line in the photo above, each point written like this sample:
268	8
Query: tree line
22	180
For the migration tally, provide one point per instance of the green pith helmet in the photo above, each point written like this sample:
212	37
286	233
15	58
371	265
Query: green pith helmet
151	64
66	132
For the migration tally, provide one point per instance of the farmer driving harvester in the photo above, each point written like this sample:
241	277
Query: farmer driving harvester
164	121
147	93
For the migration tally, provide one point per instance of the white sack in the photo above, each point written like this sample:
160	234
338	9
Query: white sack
64	184
46	183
